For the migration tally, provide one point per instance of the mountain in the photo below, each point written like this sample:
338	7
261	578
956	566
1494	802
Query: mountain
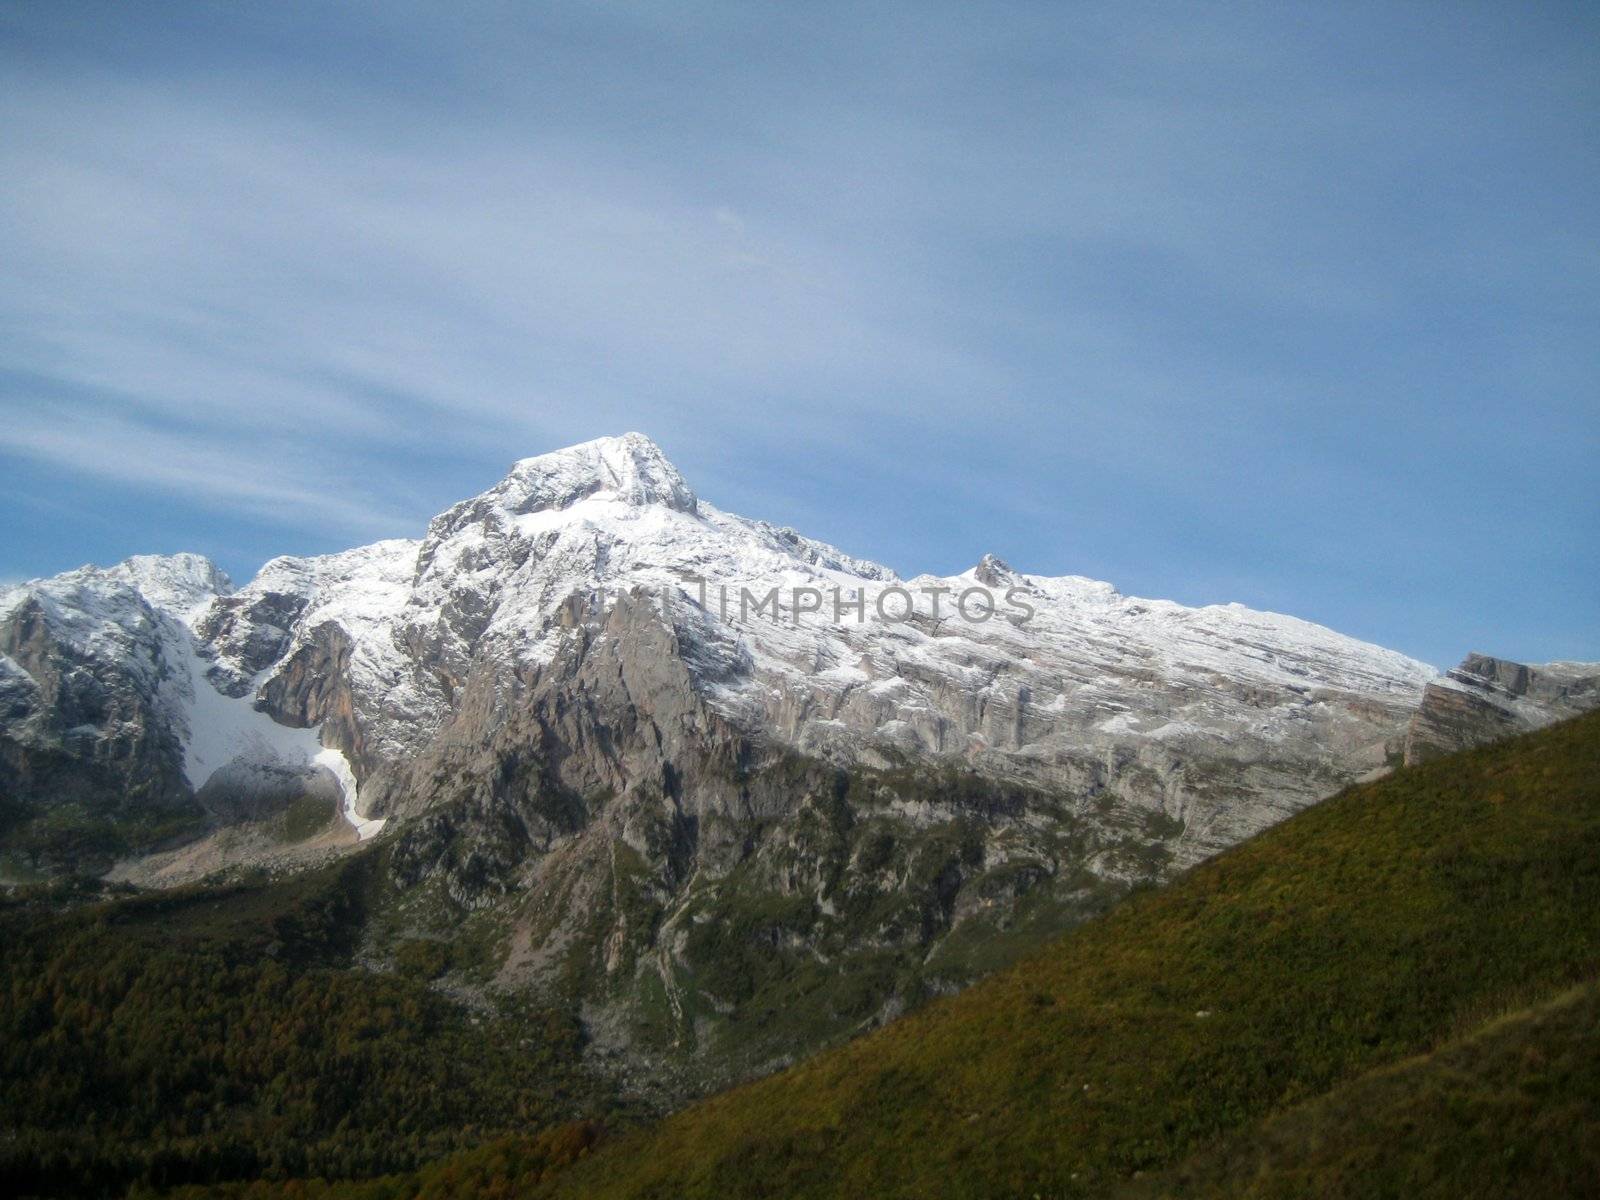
723	791
113	739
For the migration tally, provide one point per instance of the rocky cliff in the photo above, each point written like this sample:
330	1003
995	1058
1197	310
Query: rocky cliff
1485	699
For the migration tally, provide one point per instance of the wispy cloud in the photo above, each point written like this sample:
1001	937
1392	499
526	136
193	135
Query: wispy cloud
253	478
282	283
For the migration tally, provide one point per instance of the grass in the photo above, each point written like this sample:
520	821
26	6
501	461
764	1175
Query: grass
1511	1110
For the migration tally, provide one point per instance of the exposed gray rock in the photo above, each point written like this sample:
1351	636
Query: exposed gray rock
246	634
106	711
119	714
1486	699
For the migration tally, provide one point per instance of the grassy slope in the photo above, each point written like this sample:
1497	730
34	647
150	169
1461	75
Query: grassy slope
1512	1110
1369	929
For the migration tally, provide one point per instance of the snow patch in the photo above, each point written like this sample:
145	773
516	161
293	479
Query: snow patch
223	729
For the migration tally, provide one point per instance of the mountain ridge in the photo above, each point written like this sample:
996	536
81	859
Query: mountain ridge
507	523
1393	993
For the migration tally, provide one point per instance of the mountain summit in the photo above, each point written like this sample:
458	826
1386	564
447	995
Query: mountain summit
630	469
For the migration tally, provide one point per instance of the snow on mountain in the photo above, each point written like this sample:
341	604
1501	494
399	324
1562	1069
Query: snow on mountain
607	716
117	650
181	585
506	580
613	514
101	617
373	652
365	594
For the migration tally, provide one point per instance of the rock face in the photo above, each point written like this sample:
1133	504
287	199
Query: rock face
1485	699
91	683
113	740
726	790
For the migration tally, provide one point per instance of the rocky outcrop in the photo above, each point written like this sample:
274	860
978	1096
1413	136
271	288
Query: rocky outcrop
107	712
246	635
683	878
91	760
1486	699
125	729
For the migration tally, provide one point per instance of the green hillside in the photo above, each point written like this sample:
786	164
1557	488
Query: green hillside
1380	925
1513	1110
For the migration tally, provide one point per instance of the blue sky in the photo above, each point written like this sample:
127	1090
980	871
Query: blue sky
1295	305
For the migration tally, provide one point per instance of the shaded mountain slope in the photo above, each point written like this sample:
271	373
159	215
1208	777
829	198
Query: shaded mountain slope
1255	1025
231	1033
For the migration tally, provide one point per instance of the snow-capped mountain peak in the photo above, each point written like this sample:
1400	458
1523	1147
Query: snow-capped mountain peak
631	469
181	584
588	668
